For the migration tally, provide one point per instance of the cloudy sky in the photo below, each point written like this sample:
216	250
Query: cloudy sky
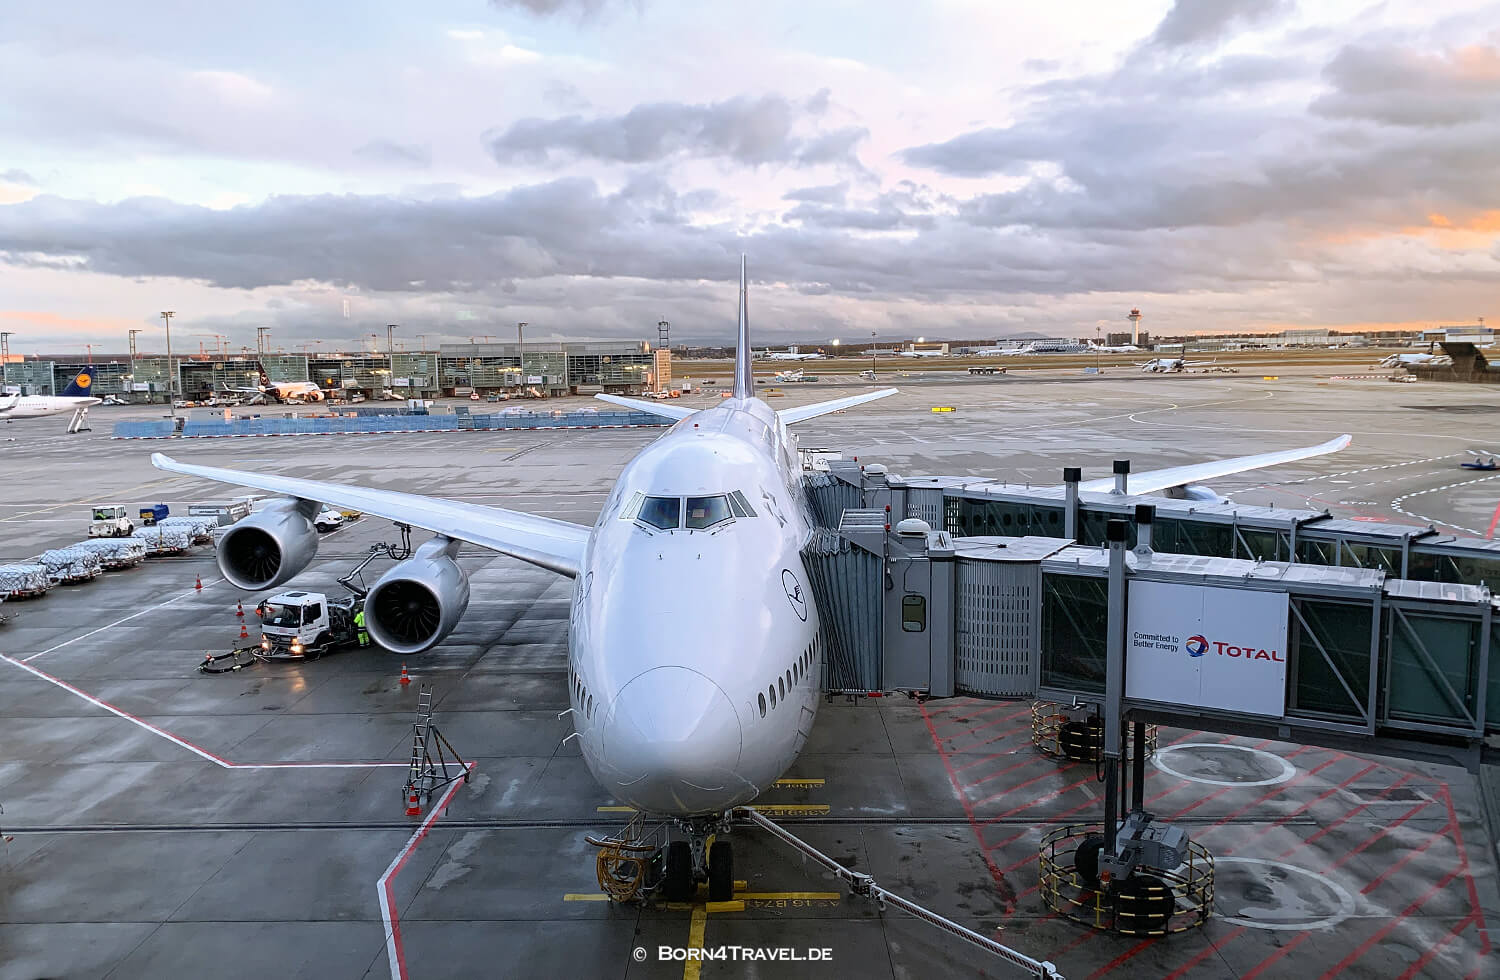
961	168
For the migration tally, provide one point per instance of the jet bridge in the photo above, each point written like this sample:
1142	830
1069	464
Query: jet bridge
1345	655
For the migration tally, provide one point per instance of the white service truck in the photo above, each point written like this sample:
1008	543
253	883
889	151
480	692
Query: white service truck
110	521
307	624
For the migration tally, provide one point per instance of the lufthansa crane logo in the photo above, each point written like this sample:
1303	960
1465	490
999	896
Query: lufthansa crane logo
1197	646
84	381
794	593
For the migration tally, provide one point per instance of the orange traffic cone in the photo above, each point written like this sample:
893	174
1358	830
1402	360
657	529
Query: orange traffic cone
199	584
244	633
405	680
239	609
413	805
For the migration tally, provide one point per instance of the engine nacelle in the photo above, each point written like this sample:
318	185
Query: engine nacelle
417	603
266	549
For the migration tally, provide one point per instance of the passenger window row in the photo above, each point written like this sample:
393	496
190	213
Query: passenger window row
798	672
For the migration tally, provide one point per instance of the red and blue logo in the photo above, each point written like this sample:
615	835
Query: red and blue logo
1197	646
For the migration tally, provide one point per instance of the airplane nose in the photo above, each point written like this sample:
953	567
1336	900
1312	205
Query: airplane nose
673	741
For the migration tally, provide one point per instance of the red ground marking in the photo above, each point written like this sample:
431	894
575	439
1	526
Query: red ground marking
1463	855
1264	964
1132	951
1432	950
1184	968
1383	930
1408	856
1318	836
1303	808
988	724
1275	790
1398	822
992	756
1034	779
977	714
1001	772
963	798
1493	521
1044	798
997	738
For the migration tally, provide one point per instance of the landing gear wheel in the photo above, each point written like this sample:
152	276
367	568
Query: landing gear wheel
1086	859
1144	904
1079	740
721	872
677	882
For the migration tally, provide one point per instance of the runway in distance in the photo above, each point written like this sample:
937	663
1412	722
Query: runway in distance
695	654
74	397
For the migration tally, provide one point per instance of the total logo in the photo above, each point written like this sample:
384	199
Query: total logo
1197	646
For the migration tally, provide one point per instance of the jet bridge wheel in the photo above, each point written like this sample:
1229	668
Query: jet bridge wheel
721	871
678	882
1143	905
1086	859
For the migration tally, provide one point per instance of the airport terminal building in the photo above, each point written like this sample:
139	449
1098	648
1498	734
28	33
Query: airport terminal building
550	368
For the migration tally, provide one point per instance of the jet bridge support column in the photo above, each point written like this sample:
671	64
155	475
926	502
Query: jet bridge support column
1071	476
1114	675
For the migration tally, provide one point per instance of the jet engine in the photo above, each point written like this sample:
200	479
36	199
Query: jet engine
1194	492
266	549
419	601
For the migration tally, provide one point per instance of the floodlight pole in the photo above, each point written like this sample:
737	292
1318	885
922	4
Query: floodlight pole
171	386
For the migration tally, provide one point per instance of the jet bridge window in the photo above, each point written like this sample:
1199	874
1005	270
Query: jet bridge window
705	512
661	512
913	613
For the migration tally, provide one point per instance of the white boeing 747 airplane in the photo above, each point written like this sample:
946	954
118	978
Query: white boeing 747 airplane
695	657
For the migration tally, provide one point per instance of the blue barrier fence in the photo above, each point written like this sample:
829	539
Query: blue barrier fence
385	423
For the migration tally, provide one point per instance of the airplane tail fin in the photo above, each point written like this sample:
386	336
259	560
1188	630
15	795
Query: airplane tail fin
81	386
744	375
265	379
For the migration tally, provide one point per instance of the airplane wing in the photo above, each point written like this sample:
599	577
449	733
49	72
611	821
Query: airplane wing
804	412
1178	476
643	405
552	544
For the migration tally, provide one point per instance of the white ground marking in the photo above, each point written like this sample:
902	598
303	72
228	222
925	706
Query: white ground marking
1287	769
1345	900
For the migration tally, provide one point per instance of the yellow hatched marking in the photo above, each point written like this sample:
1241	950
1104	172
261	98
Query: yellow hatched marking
791	808
585	897
799	782
735	906
615	809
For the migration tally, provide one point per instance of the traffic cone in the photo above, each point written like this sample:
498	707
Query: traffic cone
405	680
239	609
199	584
414	805
244	633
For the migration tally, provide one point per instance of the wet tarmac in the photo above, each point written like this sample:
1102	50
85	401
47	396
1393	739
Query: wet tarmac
171	823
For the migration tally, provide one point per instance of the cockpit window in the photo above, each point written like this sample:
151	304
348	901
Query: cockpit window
660	512
703	512
632	507
740	505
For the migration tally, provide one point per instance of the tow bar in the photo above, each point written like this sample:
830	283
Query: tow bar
863	884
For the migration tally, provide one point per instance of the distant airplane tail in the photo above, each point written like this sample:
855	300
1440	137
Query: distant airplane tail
81	386
744	373
265	379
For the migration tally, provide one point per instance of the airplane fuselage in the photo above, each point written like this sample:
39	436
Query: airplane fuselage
694	650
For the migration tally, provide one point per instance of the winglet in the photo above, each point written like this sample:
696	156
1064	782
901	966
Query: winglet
744	376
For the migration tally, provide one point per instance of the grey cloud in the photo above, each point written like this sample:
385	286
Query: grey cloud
1041	64
826	194
1400	87
397	154
748	131
1195	22
18	177
583	9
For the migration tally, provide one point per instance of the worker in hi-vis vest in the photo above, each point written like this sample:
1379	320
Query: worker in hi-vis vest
359	624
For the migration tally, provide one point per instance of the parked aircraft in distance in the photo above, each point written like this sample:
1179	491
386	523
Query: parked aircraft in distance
792	354
75	397
282	391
